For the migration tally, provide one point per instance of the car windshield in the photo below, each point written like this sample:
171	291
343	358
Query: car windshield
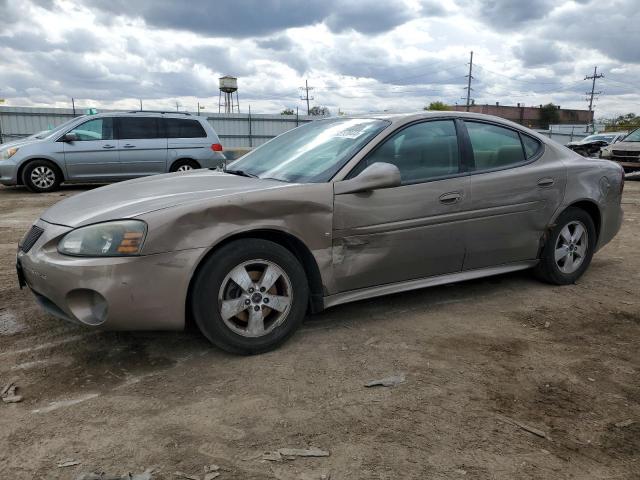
633	136
47	133
311	153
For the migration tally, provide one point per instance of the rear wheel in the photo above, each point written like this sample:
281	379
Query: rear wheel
569	249
184	166
41	176
250	296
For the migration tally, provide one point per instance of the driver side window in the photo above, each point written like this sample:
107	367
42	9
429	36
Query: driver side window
422	152
96	129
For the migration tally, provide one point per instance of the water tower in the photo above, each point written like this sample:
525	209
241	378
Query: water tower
228	86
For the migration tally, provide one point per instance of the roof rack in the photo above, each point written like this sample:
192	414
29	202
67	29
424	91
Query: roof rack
158	111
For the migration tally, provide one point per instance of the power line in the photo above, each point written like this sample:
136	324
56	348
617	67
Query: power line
593	77
306	88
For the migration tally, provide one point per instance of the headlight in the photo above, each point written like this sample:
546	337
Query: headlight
9	152
110	239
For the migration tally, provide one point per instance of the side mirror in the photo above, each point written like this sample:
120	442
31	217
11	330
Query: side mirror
70	137
375	176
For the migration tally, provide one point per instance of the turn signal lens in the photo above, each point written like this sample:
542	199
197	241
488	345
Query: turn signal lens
216	147
131	243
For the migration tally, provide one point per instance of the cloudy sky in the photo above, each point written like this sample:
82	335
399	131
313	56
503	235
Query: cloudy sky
359	55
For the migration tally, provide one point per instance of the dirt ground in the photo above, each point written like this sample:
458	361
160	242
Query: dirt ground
486	362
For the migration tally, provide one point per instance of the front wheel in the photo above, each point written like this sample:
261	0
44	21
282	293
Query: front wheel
569	249
249	296
41	176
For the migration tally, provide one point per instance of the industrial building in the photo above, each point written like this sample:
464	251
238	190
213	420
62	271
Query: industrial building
530	116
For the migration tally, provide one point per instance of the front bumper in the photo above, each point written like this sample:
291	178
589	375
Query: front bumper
8	172
119	293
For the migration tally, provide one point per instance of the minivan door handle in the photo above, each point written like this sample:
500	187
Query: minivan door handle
128	145
546	182
450	198
108	146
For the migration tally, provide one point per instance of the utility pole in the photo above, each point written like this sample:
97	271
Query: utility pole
593	77
306	88
73	106
200	107
140	104
469	77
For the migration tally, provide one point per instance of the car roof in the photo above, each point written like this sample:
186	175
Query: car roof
401	118
182	115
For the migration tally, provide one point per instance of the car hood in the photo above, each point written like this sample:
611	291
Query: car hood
136	197
20	143
625	146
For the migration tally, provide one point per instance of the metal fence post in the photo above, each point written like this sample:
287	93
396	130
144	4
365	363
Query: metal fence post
250	133
297	117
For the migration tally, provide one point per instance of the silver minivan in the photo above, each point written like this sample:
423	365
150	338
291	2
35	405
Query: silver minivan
109	147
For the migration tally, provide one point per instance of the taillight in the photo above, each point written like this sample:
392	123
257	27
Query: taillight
216	147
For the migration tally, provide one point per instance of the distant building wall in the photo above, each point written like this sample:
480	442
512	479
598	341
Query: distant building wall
529	116
235	130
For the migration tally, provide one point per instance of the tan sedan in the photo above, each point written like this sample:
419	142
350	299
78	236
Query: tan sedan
331	212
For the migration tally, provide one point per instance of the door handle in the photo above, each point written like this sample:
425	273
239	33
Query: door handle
108	146
450	198
546	182
128	145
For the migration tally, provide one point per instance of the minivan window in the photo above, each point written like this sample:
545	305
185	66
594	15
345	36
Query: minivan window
494	146
132	128
179	128
422	152
96	129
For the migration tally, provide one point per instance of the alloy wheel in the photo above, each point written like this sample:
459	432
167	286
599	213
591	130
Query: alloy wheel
571	247
184	168
43	177
255	298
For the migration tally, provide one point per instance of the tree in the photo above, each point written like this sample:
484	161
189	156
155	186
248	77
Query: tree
630	120
437	105
549	115
287	111
319	111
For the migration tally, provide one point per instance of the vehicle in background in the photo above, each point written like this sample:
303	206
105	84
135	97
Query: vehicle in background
592	144
333	211
626	152
109	147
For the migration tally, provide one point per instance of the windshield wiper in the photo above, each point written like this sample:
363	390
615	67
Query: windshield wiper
242	173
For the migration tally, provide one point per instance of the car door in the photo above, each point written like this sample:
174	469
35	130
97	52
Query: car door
142	145
515	189
94	154
410	231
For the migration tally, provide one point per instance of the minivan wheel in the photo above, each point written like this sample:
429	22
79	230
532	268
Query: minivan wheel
184	166
569	249
249	296
41	176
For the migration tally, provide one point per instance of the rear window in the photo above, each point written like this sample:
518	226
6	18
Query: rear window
494	146
179	128
531	145
138	127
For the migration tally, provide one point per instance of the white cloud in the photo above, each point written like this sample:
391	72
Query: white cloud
361	55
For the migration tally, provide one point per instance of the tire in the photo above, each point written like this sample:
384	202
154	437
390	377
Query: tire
239	316
184	165
41	176
565	238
